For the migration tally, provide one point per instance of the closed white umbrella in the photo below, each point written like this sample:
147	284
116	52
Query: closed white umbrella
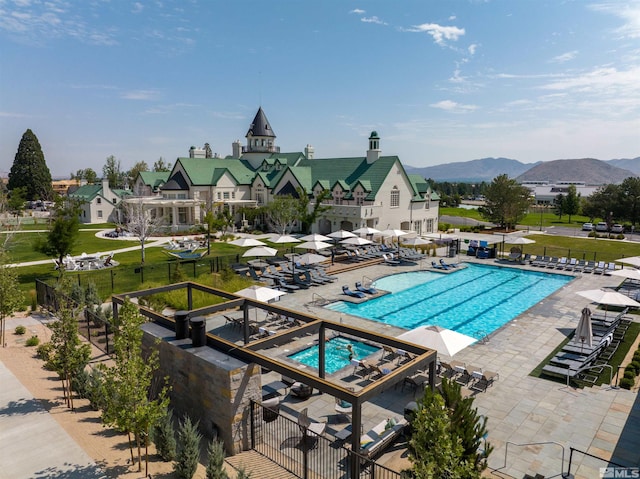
445	341
315	237
341	234
366	231
584	330
356	240
247	242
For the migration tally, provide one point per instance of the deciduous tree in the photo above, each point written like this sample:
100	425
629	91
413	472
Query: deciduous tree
572	202
161	165
281	213
63	232
113	172
29	170
506	202
141	222
133	173
10	295
308	215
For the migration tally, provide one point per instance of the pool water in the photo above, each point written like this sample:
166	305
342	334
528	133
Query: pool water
475	300
336	354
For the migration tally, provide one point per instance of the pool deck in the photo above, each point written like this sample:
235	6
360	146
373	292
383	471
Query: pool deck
521	409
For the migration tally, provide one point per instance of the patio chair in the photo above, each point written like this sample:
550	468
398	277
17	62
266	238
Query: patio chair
353	294
286	286
362	289
483	379
301	390
447	265
343	407
310	429
271	409
437	266
388	259
599	268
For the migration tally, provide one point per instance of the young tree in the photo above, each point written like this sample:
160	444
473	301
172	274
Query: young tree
164	437
134	400
29	169
281	213
63	232
572	202
160	165
87	174
630	197
141	222
188	449
215	465
70	354
10	295
16	201
112	171
307	215
558	205
133	173
506	202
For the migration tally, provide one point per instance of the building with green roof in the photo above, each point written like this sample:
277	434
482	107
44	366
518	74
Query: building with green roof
99	202
368	191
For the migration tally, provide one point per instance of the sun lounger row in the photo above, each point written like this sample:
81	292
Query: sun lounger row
443	265
473	377
573	264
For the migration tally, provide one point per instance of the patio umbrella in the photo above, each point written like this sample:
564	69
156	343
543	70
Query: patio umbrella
247	242
632	260
260	293
608	298
584	331
315	237
314	245
341	234
260	251
310	258
519	240
629	273
281	239
366	231
396	233
416	241
356	240
445	341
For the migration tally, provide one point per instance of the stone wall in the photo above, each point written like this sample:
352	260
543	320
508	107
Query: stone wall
208	386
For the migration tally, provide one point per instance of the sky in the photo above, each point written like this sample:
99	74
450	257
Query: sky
440	81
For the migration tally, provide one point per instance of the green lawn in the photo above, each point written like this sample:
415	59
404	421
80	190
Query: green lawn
532	219
581	248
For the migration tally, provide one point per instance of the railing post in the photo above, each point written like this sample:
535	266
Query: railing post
252	421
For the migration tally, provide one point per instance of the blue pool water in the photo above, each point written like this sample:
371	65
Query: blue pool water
336	354
475	300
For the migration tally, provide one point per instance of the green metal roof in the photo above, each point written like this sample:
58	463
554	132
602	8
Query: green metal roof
207	171
154	178
87	192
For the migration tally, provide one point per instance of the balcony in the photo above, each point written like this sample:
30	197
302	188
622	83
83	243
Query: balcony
353	211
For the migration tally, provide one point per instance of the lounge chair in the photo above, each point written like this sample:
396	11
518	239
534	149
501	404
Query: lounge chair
610	268
388	259
541	262
562	263
579	267
343	407
448	265
589	267
289	287
380	371
381	436
362	289
571	265
483	379
553	262
310	429
599	268
437	266
353	294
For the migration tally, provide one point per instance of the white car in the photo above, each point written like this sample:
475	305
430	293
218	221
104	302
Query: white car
587	227
602	226
617	228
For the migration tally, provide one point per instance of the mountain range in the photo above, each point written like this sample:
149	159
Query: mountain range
588	170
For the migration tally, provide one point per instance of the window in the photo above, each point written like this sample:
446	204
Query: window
219	195
99	200
225	195
430	226
182	216
115	200
181	196
359	198
395	198
99	213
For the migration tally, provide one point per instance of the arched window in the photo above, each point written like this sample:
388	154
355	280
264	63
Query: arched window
395	198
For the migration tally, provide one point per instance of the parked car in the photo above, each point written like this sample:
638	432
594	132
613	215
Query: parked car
602	226
617	228
587	227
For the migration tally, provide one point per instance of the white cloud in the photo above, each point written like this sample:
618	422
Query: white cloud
373	19
137	7
452	18
629	12
452	106
565	57
357	11
599	79
472	48
439	33
140	95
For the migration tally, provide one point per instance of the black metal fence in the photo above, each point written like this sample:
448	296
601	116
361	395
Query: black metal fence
95	329
282	441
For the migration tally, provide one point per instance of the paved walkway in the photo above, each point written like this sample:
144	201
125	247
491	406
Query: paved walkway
522	409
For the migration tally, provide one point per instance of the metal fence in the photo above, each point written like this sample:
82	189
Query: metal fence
282	441
94	328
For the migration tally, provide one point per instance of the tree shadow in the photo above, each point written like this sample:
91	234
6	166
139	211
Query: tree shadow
73	471
23	407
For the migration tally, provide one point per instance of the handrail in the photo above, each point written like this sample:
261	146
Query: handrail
506	451
364	276
482	336
314	300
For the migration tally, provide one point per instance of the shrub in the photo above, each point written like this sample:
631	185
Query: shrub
164	438
20	330
33	341
34	300
630	375
626	383
188	452
215	465
636	356
44	351
636	366
242	474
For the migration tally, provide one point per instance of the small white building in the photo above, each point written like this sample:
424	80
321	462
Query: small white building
99	203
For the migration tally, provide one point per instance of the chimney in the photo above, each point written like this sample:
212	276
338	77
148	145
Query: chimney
373	153
309	152
236	149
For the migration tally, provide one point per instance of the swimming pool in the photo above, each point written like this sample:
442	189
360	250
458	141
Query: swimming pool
475	300
336	354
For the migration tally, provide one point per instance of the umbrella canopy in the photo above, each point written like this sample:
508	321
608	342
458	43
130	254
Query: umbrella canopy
415	241
584	331
366	231
260	251
629	273
519	240
314	245
610	298
284	239
393	232
310	258
247	242
356	240
632	260
341	234
445	341
260	293
315	237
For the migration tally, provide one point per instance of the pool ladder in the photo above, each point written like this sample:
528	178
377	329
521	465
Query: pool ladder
318	300
483	337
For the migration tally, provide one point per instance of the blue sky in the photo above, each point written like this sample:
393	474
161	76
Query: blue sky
440	81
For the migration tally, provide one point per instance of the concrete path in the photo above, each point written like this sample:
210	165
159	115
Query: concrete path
33	444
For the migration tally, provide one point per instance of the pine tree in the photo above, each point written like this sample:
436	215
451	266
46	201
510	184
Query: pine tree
215	465
30	171
164	437
188	449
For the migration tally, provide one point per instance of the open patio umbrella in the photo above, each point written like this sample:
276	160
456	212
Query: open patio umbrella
415	241
315	237
519	240
282	239
356	240
393	232
584	331
445	341
608	298
314	245
260	293
366	231
341	234
632	260
310	258
247	242
629	273
260	251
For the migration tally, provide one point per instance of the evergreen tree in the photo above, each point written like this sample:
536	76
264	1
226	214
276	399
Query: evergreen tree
16	201
558	205
242	473
63	232
215	465
188	452
30	171
164	437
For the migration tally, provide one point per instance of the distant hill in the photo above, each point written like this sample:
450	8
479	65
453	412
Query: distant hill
631	164
589	170
485	169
